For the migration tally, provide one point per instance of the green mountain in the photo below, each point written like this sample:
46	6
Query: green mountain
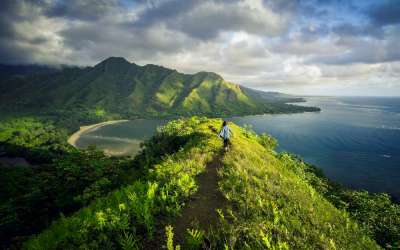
116	86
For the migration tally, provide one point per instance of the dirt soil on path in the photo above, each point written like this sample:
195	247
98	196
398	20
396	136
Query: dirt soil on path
200	212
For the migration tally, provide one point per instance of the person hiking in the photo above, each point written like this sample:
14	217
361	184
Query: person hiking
225	134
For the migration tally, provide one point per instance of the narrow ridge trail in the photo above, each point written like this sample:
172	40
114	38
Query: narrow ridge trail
200	212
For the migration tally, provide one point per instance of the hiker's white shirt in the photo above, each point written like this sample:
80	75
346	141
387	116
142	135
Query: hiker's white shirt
225	132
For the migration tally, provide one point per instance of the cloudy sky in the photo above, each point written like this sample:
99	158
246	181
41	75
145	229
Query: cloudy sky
302	47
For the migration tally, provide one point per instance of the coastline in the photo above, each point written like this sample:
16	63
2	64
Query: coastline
75	136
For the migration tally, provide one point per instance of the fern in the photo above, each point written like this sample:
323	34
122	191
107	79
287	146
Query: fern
194	238
169	234
128	242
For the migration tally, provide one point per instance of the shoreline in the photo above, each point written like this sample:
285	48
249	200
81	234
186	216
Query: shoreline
75	136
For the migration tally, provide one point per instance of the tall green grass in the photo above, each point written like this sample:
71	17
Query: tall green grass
272	207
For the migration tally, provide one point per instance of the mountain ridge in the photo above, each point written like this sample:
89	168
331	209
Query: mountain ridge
117	86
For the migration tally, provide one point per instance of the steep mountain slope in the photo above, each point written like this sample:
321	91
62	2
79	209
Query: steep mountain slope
117	86
268	203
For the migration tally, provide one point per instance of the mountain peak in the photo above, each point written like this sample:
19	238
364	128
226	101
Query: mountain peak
115	60
115	65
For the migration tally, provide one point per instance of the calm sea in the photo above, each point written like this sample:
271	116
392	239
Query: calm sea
355	140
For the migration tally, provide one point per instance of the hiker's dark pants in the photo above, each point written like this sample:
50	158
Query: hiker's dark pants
226	143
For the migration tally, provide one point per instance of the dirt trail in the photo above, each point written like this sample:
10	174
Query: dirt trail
200	210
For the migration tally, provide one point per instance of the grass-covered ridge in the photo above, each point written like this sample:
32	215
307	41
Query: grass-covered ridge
274	207
125	218
270	202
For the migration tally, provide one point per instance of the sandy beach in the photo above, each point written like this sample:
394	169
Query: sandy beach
75	136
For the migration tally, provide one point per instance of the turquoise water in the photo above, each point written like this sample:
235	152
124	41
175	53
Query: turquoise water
355	140
120	138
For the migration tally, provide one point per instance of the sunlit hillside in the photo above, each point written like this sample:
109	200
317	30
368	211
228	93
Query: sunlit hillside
264	200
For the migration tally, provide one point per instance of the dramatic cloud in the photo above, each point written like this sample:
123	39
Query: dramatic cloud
206	19
305	46
90	10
